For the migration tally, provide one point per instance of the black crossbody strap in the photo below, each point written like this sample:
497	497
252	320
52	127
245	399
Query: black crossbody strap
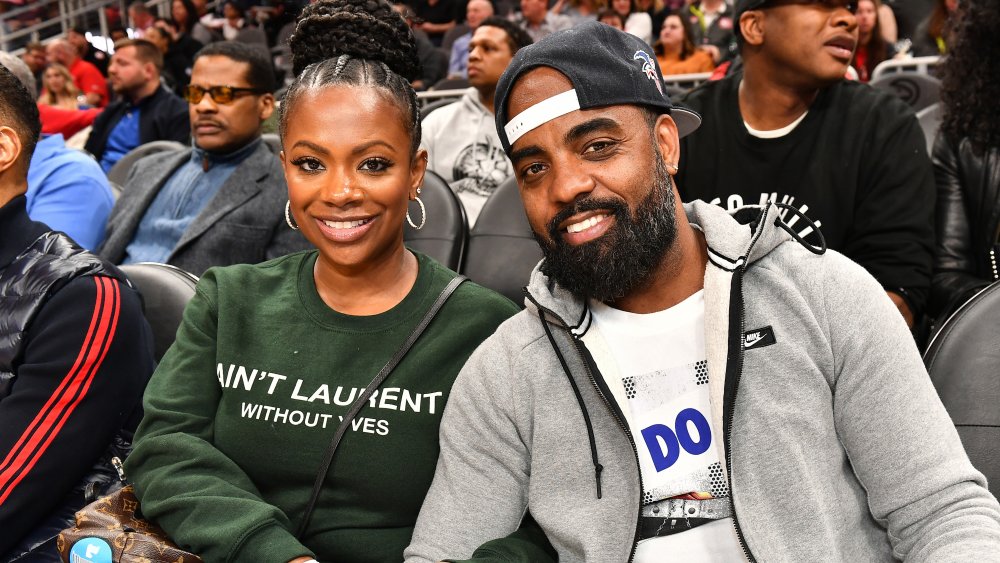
359	403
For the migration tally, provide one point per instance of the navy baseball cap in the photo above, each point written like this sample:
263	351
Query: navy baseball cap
607	67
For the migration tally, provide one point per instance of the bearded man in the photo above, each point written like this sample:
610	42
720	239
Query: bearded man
685	383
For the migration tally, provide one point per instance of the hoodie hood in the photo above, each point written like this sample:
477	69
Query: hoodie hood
735	239
471	103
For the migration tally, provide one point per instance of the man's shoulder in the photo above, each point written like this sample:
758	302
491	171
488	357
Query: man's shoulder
849	96
708	93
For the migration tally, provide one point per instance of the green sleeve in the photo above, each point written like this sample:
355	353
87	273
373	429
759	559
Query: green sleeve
198	495
527	543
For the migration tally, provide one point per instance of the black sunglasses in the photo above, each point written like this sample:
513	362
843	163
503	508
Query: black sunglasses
220	94
850	5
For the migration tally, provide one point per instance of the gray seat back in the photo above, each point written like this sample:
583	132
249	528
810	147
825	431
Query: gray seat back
165	291
446	231
963	360
502	251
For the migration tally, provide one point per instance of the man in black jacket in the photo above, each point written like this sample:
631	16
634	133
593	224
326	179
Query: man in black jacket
75	351
146	111
790	129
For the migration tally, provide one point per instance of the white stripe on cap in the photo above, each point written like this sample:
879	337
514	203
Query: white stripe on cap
541	113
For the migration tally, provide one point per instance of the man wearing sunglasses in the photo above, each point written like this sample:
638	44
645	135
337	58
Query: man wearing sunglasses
789	128
145	110
221	201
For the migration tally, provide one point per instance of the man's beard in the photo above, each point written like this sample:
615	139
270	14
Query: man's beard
624	257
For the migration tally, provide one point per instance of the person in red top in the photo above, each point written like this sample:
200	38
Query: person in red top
88	79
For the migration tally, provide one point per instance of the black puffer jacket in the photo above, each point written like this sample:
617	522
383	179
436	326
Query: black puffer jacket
968	222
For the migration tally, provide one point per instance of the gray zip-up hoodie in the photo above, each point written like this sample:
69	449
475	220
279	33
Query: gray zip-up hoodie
836	446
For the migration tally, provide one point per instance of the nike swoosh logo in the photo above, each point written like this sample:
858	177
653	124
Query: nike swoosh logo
751	339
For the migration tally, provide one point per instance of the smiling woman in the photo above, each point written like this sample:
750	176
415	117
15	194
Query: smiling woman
270	357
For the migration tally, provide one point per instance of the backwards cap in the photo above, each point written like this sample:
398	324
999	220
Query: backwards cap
607	67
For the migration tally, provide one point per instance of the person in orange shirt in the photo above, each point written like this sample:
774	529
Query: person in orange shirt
675	50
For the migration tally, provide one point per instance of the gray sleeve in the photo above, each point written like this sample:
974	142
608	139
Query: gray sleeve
901	442
480	487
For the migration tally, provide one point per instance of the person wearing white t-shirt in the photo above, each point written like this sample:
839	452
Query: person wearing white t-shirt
686	383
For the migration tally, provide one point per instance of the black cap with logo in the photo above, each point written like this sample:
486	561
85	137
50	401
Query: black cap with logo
606	66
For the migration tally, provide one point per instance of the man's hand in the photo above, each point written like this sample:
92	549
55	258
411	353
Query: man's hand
904	309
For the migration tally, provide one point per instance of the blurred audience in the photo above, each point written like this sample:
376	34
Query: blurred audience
933	34
86	77
872	46
221	201
433	61
75	355
461	138
140	18
538	21
475	12
636	22
712	24
186	22
789	129
578	10
967	160
436	17
176	67
34	56
67	190
146	111
234	20
77	37
676	52
612	18
58	89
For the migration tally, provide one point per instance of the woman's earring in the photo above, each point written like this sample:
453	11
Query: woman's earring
423	215
672	168
288	216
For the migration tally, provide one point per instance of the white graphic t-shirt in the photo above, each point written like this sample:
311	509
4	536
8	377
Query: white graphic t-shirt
655	366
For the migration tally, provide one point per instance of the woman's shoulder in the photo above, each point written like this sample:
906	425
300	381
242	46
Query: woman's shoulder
254	277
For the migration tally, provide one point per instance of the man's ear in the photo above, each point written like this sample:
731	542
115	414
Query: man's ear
669	145
10	148
752	27
266	105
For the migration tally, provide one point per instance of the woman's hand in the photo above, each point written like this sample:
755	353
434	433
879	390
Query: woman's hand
303	559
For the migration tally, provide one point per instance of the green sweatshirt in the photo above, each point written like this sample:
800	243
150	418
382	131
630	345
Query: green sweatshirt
243	406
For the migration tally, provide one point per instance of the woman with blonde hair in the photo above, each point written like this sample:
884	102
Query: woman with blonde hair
58	89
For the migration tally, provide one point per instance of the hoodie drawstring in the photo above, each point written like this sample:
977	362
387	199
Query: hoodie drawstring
579	399
779	222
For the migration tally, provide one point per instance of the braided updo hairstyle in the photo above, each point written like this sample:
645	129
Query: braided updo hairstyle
355	43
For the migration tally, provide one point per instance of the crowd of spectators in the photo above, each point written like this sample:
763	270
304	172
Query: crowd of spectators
846	162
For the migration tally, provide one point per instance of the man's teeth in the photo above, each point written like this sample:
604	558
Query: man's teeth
585	224
345	224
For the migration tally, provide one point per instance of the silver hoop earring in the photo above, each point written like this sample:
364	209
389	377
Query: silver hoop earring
423	215
288	216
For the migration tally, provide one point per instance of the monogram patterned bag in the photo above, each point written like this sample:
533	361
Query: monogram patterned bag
111	530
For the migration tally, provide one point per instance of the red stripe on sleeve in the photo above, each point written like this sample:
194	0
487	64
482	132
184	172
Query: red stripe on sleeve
71	391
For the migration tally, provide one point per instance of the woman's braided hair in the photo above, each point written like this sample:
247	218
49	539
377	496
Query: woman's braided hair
355	43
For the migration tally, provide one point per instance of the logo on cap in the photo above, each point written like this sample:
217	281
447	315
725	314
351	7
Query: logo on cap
648	67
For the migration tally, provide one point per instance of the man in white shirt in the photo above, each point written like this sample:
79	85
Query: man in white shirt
685	383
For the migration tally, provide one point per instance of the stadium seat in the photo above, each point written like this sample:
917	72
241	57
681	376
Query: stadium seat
916	89
165	291
446	231
451	84
963	360
119	172
930	122
502	251
426	110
